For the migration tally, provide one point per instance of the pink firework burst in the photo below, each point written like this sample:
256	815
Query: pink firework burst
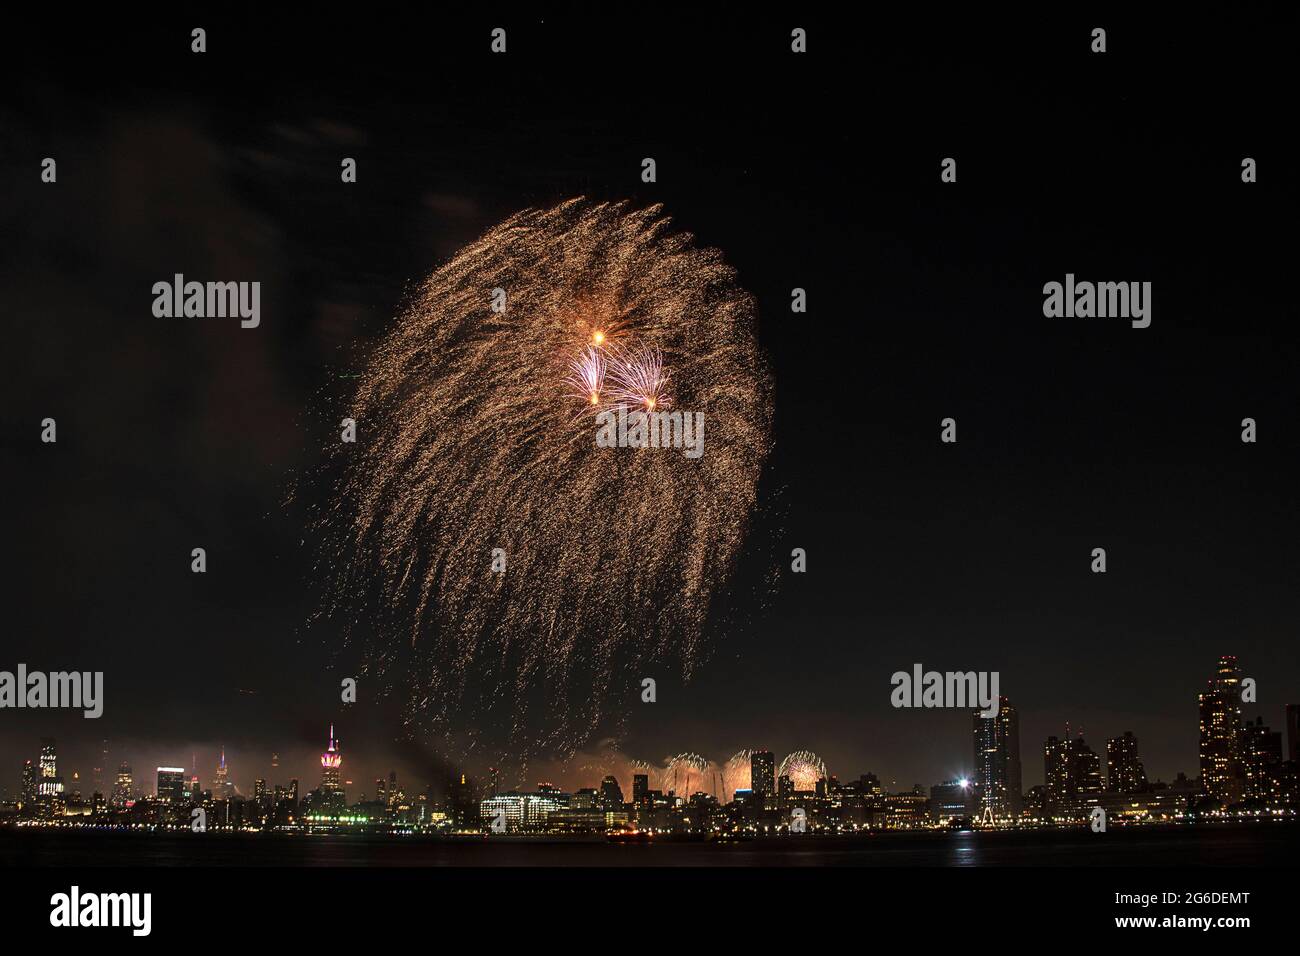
639	379
586	378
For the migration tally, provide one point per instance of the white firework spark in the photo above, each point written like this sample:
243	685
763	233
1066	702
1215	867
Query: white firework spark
639	379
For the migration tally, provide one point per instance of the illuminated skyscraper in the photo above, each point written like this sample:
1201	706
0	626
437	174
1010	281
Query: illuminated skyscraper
1124	771
1293	732
1220	752
331	786
49	768
762	776
49	785
171	784
464	806
1072	771
331	761
611	794
1087	769
1056	776
222	788
1261	751
997	760
870	786
28	797
122	786
100	768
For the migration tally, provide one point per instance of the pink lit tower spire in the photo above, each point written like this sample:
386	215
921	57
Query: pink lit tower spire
330	762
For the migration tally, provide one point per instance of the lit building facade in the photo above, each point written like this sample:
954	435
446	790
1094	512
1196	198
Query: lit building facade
522	811
997	760
222	788
1220	725
27	797
1072	771
785	790
123	786
952	800
1261	752
50	783
762	776
171	784
1124	771
611	794
332	796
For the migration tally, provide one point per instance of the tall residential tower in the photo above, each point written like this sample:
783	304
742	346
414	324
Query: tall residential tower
1220	751
997	760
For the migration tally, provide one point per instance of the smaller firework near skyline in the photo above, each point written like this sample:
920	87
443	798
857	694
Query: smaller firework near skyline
803	769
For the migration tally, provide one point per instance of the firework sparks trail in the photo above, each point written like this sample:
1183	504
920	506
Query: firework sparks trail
684	775
475	439
736	773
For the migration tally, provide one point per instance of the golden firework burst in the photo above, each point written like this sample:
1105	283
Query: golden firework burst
476	440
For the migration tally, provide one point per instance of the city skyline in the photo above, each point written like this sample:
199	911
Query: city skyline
997	763
582	467
924	302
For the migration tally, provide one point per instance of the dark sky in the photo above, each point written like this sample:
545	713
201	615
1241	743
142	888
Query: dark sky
819	171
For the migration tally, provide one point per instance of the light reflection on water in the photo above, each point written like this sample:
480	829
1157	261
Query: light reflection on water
1146	846
965	849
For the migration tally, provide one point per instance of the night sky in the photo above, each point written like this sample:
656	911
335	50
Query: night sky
818	171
